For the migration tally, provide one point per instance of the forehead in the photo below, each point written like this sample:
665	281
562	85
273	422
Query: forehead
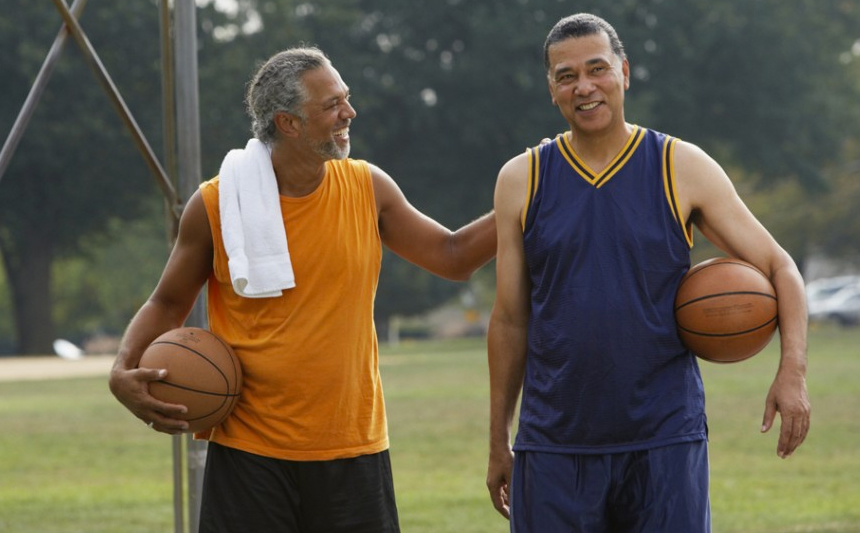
324	83
575	51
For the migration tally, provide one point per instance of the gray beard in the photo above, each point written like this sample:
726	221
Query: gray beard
330	150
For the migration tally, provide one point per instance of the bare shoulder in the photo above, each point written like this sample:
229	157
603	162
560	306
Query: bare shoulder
385	190
691	160
699	178
512	185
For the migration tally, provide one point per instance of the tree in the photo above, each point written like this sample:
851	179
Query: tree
445	93
75	168
448	91
764	83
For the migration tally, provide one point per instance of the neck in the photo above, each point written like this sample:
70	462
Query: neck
600	147
299	173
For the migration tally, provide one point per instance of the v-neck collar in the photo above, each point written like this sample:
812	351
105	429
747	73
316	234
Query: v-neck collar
598	179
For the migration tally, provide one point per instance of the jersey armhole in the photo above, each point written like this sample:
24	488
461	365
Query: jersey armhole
670	189
534	166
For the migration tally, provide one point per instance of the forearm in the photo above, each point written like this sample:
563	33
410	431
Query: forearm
473	245
793	320
506	358
153	319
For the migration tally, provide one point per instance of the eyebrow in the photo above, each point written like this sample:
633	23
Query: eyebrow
346	94
588	63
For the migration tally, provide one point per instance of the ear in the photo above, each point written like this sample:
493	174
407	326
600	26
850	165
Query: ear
287	124
625	68
551	91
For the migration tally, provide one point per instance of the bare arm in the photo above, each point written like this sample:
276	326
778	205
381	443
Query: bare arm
710	201
421	240
508	326
186	271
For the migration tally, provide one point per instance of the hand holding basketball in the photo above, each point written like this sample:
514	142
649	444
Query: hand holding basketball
203	374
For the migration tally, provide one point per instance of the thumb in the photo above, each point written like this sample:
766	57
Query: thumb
769	415
152	374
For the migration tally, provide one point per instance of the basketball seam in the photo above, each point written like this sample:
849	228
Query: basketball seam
210	393
721	294
733	334
722	261
211	362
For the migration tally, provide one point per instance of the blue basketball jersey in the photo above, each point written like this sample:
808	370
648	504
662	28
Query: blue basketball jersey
605	251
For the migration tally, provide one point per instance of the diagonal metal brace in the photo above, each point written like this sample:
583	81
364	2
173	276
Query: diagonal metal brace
107	84
36	91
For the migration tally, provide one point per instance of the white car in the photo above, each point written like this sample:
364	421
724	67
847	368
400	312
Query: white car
841	304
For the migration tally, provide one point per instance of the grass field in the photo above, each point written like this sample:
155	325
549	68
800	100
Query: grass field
73	460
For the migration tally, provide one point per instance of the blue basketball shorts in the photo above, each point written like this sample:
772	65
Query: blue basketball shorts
662	490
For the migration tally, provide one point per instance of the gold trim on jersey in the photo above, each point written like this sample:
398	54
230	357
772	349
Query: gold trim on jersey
670	189
533	182
599	179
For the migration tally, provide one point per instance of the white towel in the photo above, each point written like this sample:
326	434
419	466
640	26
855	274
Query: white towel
251	224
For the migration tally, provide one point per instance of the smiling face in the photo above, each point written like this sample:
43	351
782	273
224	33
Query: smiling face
587	82
327	113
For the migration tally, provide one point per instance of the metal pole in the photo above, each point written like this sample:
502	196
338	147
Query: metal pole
36	91
168	129
188	126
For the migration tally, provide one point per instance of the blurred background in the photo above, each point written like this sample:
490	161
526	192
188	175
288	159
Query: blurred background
446	91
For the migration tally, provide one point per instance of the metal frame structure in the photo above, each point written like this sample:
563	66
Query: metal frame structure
181	129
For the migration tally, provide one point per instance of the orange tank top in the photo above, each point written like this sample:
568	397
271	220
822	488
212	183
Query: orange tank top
310	358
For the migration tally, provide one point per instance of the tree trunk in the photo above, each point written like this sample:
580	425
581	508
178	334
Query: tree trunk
29	275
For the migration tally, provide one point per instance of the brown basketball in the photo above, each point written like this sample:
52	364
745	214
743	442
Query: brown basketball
726	310
203	374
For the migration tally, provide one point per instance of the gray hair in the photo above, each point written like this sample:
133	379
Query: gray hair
277	86
582	25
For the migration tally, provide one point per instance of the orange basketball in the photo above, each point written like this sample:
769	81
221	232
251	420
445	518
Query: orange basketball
203	374
726	310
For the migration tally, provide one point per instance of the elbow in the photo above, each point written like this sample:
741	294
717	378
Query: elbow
462	270
460	275
455	272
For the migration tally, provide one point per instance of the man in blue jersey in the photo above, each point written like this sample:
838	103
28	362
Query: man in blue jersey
594	234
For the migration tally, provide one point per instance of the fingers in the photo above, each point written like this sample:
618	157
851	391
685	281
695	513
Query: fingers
499	497
164	417
769	415
795	413
156	414
499	474
168	425
792	434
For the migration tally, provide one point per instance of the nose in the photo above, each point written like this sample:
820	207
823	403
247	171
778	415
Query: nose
584	87
349	111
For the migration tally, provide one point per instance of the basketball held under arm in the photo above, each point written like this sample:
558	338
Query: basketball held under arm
186	271
708	196
419	239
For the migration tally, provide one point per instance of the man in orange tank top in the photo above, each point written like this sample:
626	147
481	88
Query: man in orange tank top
290	457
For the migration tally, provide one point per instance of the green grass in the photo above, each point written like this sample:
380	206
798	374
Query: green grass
73	460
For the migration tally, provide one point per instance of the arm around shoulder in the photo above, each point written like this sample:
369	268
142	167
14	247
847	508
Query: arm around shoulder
425	242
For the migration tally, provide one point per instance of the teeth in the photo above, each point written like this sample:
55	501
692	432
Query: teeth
587	107
341	133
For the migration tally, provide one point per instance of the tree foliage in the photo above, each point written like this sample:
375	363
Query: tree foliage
446	91
75	168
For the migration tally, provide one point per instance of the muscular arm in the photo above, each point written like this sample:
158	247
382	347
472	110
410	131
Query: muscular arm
508	325
710	201
421	240
186	271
